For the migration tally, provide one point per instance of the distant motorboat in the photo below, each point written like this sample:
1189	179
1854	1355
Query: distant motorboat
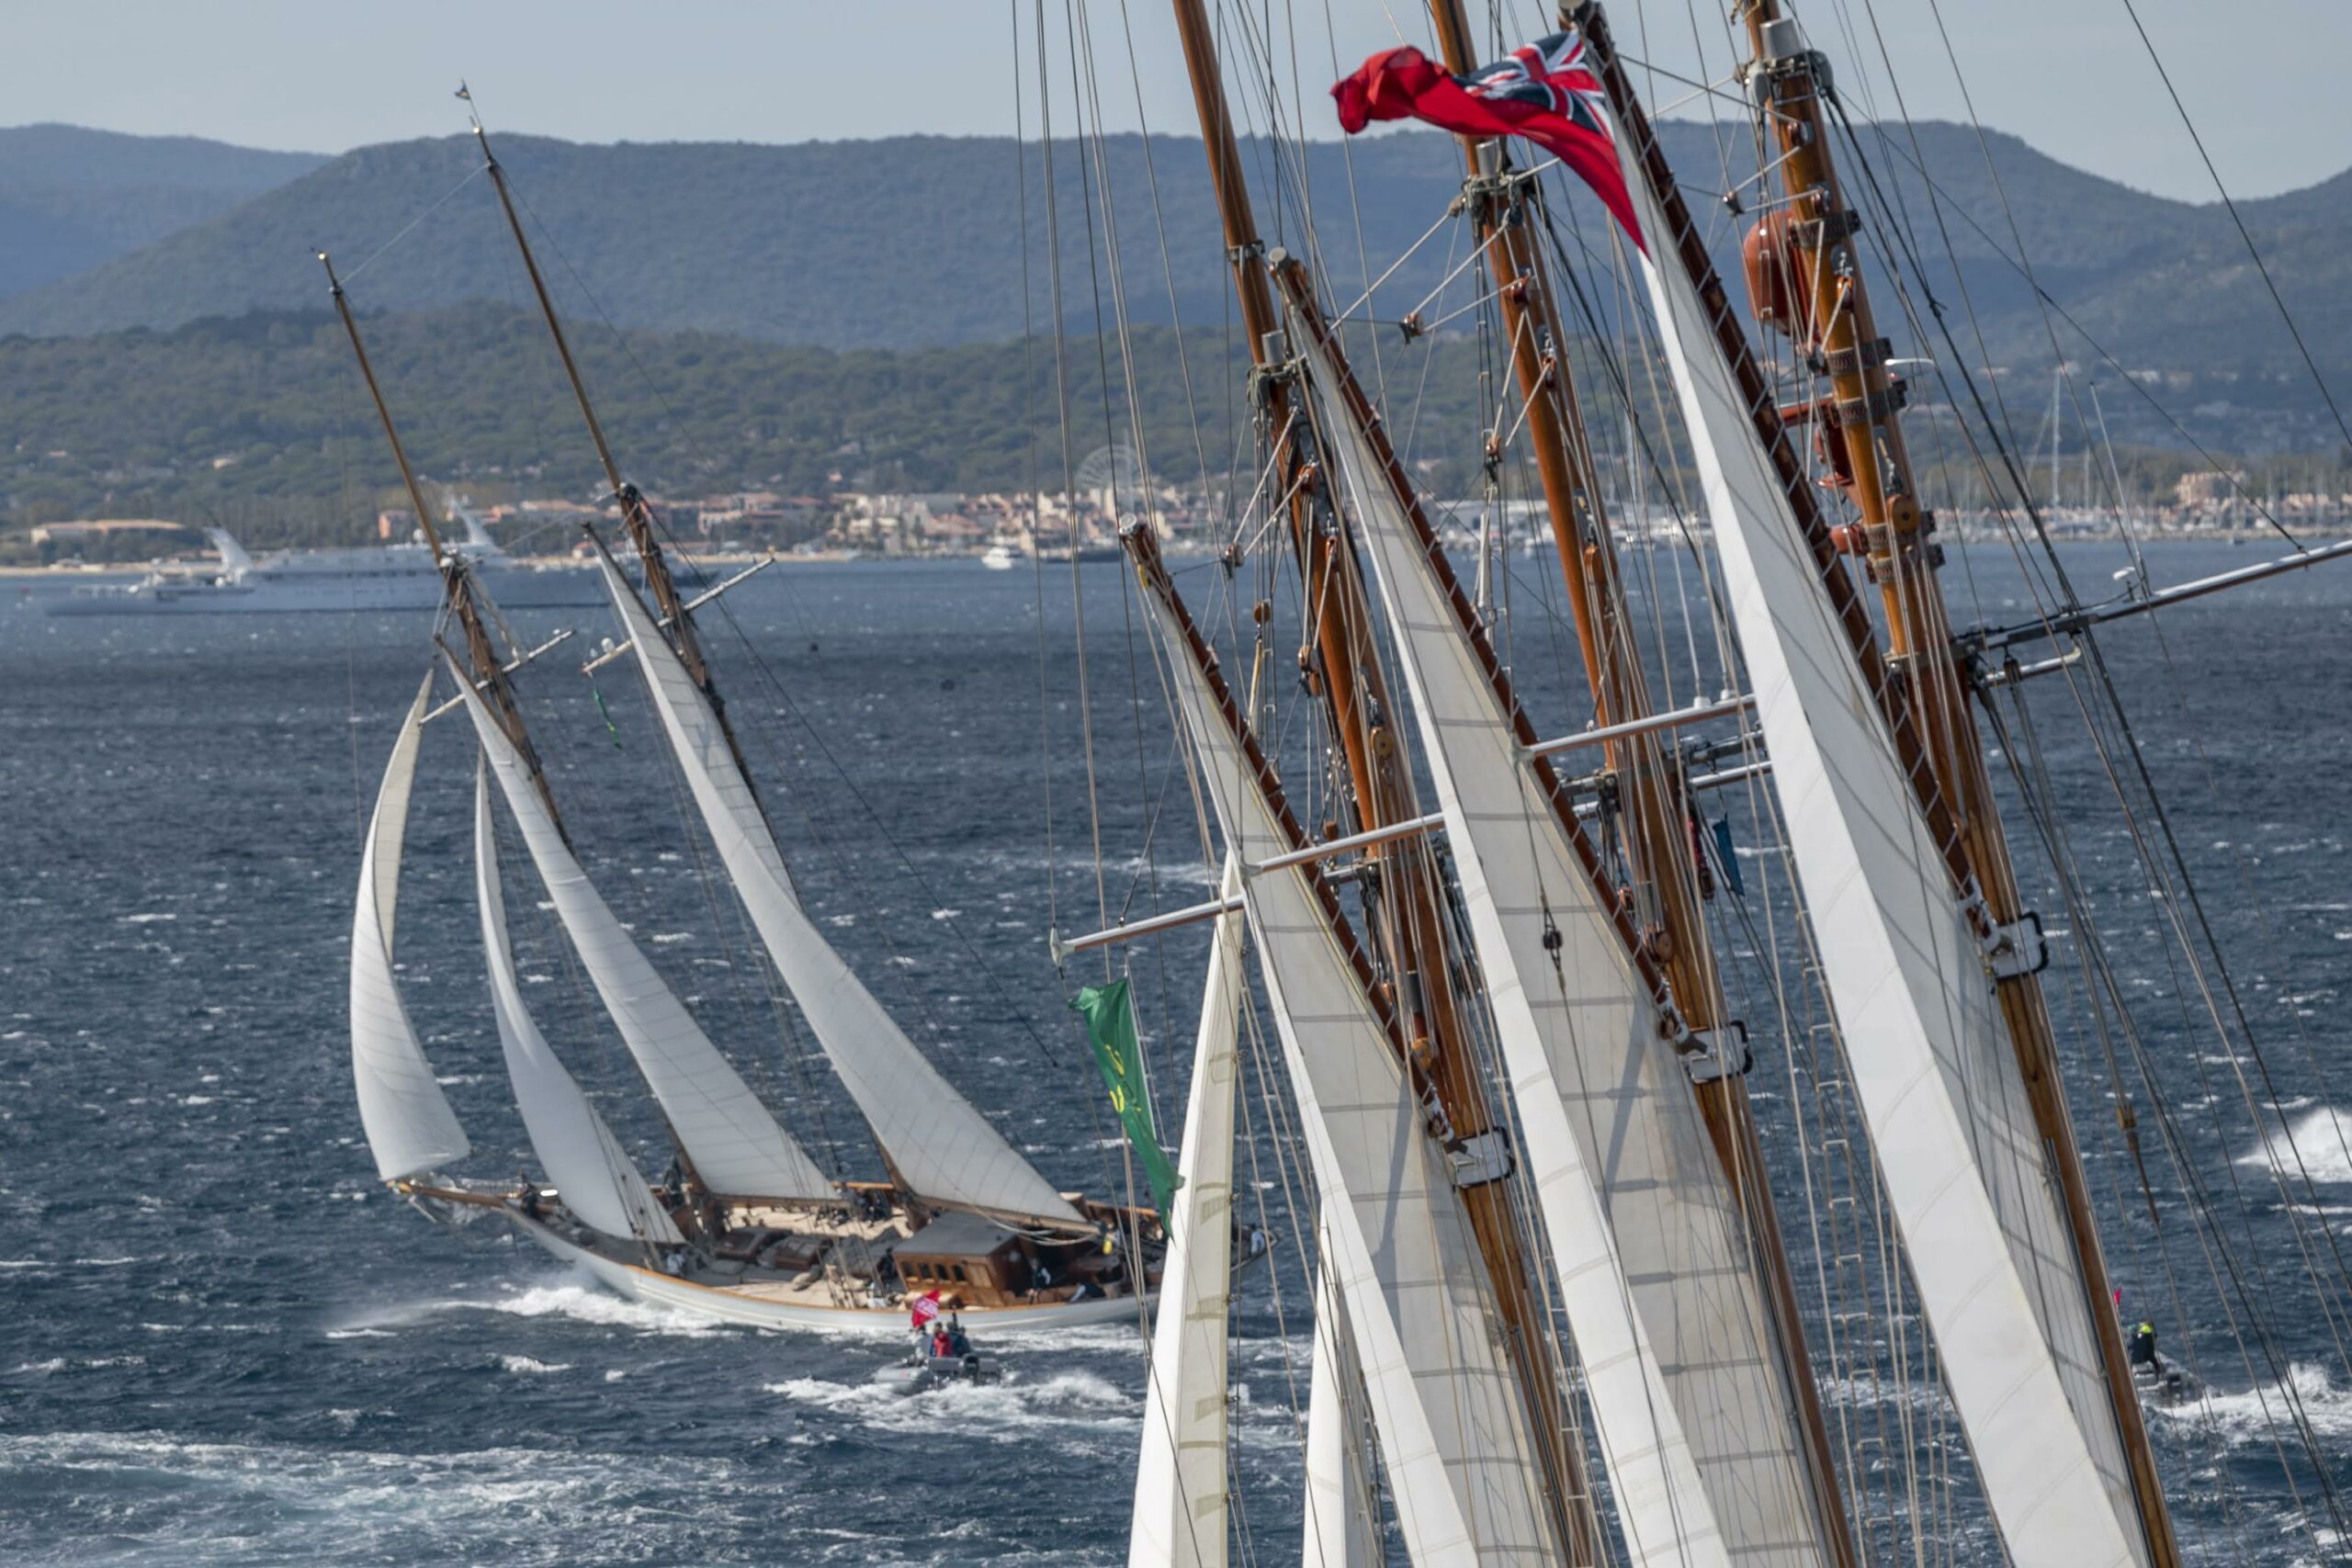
1000	557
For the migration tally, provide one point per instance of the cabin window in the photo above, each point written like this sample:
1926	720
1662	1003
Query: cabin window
958	1270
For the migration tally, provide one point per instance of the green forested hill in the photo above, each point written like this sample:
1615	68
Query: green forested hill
922	240
72	199
261	420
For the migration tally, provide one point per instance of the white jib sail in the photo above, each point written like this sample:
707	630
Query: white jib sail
1339	1526
1695	1423
736	1146
1452	1426
942	1146
592	1172
1180	1502
410	1128
1939	1086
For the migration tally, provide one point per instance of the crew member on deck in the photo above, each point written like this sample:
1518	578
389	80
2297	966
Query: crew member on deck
2143	1346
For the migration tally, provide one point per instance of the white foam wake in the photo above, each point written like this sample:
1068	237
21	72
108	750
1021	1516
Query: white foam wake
1008	1411
2255	1414
2322	1141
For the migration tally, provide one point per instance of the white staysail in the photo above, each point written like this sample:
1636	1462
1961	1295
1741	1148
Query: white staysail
410	1128
1339	1528
592	1172
938	1142
1964	1170
1179	1502
736	1146
1698	1428
1452	1429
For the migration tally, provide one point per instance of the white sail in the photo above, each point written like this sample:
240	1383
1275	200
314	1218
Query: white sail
410	1128
1964	1170
736	1146
1179	1502
1339	1528
592	1172
1452	1426
1698	1428
937	1141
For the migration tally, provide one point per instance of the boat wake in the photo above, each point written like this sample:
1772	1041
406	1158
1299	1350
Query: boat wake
1008	1411
2321	1141
573	1296
582	1301
2253	1415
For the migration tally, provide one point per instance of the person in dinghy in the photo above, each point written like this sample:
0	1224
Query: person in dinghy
943	1353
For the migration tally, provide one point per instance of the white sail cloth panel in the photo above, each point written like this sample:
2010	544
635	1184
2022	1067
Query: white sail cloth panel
736	1146
942	1146
1939	1087
592	1172
1339	1526
1452	1426
410	1126
1180	1502
1695	1422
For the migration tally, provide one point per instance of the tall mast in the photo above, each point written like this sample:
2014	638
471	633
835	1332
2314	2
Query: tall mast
1824	263
1346	673
482	654
1656	809
637	513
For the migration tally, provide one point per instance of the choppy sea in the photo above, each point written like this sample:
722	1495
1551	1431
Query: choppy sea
222	1342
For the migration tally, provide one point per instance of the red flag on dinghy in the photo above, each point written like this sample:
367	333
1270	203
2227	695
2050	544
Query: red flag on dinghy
1545	92
924	1307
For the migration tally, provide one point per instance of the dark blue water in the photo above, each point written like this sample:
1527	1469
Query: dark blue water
225	1343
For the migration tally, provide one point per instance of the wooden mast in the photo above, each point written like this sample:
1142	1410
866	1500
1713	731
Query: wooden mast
1934	730
637	513
482	654
1656	809
1344	669
1919	649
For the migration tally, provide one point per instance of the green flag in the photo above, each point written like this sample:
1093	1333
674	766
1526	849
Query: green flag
1111	1025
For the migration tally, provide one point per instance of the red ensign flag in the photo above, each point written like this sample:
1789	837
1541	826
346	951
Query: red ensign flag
1545	92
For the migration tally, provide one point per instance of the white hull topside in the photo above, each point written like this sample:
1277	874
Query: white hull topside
724	1305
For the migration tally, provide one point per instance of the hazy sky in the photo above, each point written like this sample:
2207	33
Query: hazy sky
2068	75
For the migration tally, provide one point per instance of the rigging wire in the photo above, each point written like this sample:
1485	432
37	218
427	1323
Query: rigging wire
2251	250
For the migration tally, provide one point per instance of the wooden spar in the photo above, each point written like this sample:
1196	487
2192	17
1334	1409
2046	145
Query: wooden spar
623	648
1346	673
457	584
1919	645
1684	246
1721	1101
1657	816
636	515
673	614
1941	756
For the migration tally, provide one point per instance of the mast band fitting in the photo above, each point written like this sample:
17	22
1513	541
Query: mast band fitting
1811	233
1861	358
1480	1158
1711	1053
1873	406
2018	949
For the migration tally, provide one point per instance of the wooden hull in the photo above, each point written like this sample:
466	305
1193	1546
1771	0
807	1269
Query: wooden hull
738	1305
